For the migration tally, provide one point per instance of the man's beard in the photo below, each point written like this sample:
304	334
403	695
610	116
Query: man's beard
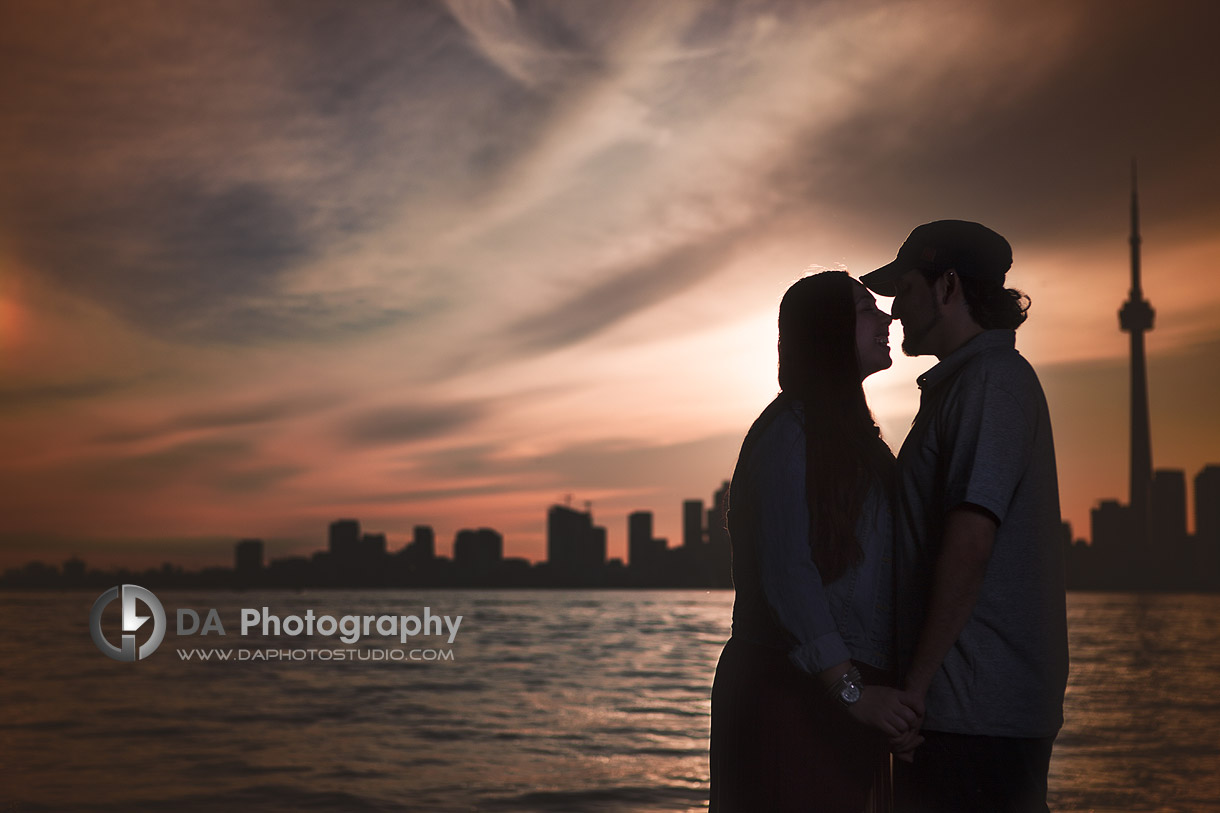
912	338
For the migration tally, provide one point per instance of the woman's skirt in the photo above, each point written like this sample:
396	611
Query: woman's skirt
778	744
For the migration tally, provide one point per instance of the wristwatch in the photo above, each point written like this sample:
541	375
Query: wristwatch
847	689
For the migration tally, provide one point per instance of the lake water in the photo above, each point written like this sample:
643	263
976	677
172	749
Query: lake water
553	701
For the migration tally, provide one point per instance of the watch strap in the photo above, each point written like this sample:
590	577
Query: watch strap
846	690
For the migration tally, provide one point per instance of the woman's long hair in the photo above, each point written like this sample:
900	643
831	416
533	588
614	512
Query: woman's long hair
844	453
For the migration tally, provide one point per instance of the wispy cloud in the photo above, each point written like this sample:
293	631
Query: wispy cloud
224	416
385	426
604	302
200	460
185	174
44	396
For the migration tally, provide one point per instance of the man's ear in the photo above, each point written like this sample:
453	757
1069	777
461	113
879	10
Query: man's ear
947	285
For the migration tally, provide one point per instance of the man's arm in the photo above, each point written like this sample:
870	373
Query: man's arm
956	581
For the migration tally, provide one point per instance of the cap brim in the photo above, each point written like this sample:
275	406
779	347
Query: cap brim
884	280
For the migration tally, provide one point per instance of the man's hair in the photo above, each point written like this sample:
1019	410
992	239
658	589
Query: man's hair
991	305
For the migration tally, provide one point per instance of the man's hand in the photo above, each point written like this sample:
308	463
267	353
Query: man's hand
890	711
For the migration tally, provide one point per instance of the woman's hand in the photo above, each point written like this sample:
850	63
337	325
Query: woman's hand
903	747
890	711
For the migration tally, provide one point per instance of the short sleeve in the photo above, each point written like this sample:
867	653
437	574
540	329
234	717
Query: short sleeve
990	438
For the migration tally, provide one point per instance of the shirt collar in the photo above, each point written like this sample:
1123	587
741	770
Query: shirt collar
997	339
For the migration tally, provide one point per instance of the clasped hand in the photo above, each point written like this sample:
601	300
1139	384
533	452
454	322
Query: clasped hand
897	714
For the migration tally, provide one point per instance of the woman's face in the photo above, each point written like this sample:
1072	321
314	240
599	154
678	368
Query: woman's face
872	332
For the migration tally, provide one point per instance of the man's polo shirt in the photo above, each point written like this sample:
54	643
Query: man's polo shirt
983	437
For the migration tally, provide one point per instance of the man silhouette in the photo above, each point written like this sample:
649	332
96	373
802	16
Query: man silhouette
981	619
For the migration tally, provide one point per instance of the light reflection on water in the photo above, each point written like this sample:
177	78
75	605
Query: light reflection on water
555	700
1143	716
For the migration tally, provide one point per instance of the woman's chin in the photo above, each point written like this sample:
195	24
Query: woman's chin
878	363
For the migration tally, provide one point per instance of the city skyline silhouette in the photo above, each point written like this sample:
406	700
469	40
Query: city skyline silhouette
577	554
1140	544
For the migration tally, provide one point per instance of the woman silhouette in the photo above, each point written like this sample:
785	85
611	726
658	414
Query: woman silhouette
801	709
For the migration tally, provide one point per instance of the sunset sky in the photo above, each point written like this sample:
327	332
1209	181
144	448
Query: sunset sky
268	264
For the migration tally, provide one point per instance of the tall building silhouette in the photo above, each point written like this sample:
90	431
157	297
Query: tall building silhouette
1207	525
1170	567
1169	509
575	547
248	560
692	523
344	538
717	518
1111	553
645	554
1207	508
1136	317
719	549
639	536
477	552
422	547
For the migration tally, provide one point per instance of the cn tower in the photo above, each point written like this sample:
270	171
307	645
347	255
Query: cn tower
1136	318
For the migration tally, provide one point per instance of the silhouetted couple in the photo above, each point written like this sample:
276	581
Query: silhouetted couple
911	606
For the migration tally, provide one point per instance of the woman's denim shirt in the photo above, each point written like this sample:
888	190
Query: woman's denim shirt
781	601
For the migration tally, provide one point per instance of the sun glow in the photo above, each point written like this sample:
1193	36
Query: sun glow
12	323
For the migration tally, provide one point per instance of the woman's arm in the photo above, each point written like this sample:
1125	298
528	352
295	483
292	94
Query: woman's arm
779	523
792	583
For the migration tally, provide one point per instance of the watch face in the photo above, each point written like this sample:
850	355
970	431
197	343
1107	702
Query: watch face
850	693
